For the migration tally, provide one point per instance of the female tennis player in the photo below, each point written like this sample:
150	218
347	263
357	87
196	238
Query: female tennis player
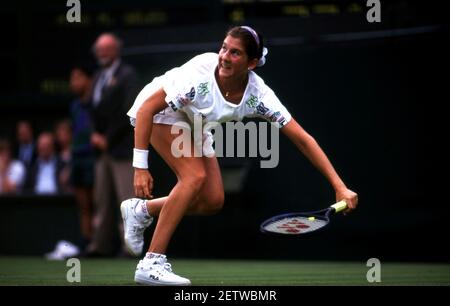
218	88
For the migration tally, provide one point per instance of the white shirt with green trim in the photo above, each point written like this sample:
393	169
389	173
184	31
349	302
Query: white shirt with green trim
192	90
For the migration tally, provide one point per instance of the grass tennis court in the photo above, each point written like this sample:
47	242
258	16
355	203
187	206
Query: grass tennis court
38	271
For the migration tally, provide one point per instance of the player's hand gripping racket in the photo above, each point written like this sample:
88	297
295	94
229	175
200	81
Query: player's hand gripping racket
301	223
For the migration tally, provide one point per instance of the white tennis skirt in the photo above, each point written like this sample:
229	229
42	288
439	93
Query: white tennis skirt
169	116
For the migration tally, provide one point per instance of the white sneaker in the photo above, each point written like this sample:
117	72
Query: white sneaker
63	250
158	272
133	227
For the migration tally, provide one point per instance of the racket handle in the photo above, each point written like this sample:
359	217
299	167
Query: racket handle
339	206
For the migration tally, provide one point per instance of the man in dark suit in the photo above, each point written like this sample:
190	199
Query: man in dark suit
25	150
114	90
44	176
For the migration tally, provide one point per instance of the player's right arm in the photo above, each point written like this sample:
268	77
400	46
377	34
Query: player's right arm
143	180
311	149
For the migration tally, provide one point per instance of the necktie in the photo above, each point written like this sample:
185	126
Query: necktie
99	87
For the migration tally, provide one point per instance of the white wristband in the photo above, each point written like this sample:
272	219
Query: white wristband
140	159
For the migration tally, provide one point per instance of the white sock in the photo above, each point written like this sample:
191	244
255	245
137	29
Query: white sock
141	211
151	255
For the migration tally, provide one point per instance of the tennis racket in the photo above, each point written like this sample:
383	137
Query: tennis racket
302	222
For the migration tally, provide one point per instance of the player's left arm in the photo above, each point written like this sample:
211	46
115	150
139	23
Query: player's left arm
311	149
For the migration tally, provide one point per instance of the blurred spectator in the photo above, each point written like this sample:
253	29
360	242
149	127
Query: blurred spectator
12	172
114	90
83	155
25	151
45	172
63	136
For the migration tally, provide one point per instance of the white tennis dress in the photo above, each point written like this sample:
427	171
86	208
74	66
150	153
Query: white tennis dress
192	90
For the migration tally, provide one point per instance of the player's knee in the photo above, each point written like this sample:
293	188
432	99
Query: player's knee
213	204
194	180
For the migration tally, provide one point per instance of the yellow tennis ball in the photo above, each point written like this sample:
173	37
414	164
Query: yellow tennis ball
311	218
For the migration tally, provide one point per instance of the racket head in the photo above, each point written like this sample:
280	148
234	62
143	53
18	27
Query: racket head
295	223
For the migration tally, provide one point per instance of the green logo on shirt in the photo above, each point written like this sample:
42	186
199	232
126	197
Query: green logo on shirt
252	101
202	88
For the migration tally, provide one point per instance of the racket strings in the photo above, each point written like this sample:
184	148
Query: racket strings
295	225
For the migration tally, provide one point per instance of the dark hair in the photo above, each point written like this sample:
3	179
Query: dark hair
86	66
5	146
252	47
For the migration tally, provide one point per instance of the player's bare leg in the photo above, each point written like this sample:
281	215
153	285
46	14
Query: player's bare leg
186	196
193	194
138	213
210	198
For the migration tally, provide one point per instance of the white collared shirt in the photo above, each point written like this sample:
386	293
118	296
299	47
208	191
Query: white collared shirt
14	174
193	89
46	177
